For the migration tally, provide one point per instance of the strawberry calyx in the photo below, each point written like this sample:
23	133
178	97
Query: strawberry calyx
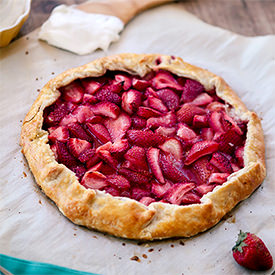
240	242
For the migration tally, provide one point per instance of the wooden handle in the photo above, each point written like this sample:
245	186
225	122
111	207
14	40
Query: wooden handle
123	9
141	5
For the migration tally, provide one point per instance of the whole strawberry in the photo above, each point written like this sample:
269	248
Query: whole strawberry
250	252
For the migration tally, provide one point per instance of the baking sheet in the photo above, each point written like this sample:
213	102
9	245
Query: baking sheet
31	227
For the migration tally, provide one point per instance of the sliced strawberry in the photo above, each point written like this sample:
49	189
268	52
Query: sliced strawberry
146	200
73	92
96	168
235	167
149	76
93	160
95	119
77	131
145	138
221	162
68	119
239	153
218	178
167	120
115	87
79	171
106	109
100	132
169	98
228	157
200	121
60	133
153	160
139	193
177	192
57	114
131	166
228	141
64	156
187	112
201	144
215	106
150	92
87	98
131	101
202	99
215	122
118	181
140	84
112	191
172	146
119	146
91	86
190	198
86	155
160	189
137	157
108	158
94	180
147	112
229	124
203	169
201	149
105	94
191	90
207	133
78	146
181	81
138	122
164	79
205	188
242	125
107	169
118	127
71	106
187	144
170	171
157	104
126	81
82	113
189	174
185	133
133	176
165	131
106	146
212	92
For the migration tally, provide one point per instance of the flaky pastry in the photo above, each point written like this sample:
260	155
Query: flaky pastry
143	146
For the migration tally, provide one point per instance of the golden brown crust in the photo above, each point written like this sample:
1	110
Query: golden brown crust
125	217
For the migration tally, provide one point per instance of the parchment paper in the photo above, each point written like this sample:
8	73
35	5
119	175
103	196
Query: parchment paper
31	227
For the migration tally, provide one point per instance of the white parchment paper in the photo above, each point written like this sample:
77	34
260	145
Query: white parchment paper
31	227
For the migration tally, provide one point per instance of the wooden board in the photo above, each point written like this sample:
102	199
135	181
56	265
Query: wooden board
246	17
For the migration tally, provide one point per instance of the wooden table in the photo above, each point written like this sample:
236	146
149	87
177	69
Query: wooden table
246	17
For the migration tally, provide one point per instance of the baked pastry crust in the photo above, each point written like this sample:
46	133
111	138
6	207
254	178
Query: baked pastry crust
126	217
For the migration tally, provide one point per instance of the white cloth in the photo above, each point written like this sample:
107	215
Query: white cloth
80	32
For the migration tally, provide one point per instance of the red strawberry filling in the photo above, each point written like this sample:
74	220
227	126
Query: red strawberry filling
161	138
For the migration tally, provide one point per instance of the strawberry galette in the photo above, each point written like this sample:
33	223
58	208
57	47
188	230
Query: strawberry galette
143	146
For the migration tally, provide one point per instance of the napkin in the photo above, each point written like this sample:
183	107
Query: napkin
23	267
80	32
